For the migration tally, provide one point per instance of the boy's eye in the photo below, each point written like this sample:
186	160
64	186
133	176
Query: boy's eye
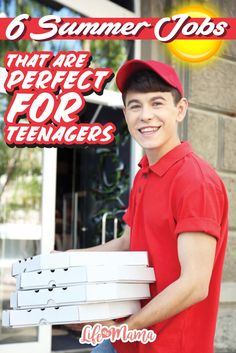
135	107
156	104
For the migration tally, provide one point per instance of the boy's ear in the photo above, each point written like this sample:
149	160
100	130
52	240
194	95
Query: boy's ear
182	107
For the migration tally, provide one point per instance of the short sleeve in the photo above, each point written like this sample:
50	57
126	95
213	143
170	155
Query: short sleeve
199	208
129	214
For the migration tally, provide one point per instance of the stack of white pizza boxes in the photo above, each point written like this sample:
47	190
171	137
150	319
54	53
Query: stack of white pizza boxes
78	287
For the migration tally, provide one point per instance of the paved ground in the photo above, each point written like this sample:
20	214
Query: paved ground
89	350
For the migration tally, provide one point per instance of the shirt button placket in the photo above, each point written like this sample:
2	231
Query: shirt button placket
144	181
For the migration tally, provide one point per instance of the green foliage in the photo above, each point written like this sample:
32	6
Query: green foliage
111	53
108	53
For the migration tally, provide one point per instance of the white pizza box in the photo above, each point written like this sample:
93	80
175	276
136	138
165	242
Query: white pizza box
83	258
70	314
75	275
82	293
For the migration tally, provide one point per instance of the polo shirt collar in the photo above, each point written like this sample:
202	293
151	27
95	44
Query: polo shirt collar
169	159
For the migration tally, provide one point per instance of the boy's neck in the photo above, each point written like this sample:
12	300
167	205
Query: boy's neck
154	155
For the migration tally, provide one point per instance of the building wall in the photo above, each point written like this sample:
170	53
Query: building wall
210	126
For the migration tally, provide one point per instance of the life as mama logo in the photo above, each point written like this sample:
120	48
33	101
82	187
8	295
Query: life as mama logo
196	51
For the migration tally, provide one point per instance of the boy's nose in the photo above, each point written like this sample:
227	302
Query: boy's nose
147	115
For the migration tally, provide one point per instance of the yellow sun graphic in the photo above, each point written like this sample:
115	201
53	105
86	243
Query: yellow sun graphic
195	50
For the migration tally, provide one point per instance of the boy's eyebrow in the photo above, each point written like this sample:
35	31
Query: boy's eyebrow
157	97
133	101
152	99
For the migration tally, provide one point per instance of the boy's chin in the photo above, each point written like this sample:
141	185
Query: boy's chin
151	147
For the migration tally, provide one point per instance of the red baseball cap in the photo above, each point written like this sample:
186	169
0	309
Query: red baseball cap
166	72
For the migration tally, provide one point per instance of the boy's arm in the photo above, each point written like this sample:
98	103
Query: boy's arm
196	253
119	244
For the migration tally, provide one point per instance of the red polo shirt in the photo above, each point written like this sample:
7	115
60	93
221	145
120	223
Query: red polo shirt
180	193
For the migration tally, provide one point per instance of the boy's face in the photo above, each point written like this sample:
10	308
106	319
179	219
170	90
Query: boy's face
152	121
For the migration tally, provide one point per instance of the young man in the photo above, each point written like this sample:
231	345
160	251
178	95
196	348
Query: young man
177	212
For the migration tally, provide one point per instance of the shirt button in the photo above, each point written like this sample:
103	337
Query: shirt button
145	175
139	189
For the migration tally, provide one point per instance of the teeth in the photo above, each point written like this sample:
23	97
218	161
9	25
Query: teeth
149	129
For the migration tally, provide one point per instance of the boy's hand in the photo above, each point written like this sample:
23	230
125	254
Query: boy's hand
109	323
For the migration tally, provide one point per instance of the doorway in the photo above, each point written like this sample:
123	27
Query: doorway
91	198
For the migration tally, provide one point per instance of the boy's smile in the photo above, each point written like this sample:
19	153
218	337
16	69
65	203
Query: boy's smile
152	121
149	130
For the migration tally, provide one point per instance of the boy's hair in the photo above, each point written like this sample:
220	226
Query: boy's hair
145	81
